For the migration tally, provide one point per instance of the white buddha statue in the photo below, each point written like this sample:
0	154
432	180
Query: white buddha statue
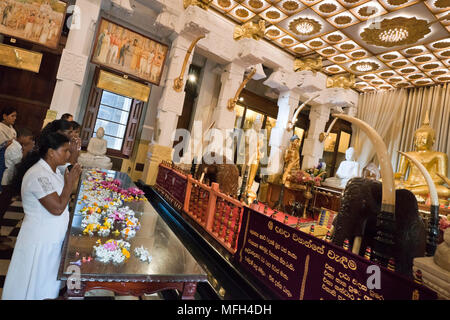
95	156
347	169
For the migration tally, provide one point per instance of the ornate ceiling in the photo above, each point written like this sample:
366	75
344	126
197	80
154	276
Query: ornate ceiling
385	43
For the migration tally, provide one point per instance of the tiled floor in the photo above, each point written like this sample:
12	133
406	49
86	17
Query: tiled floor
10	228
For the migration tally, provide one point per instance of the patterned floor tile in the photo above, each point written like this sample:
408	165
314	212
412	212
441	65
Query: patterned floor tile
14	215
4	264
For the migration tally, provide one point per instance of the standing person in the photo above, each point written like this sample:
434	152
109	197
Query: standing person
18	149
32	273
76	132
8	118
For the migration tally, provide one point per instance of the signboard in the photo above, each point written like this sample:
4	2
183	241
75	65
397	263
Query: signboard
297	266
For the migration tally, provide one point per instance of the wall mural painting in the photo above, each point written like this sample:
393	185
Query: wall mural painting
126	51
38	21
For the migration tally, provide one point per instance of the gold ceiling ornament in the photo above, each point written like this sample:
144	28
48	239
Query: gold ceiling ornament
358	54
345	81
387	74
438	72
368	11
335	38
305	26
343	20
397	2
273	15
414	51
329	51
441	45
396	32
390	56
347	46
351	1
257	4
242	13
442	4
364	66
290	5
251	30
423	59
311	64
328	7
204	4
224	3
178	82
273	32
316	43
300	49
399	64
415	76
287	41
232	101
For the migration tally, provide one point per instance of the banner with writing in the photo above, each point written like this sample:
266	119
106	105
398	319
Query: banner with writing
295	265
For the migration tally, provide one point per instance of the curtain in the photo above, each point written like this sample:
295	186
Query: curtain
382	111
437	100
397	114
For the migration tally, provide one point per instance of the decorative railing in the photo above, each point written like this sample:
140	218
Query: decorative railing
218	214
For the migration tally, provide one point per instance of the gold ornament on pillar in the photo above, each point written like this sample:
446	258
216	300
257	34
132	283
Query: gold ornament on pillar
179	82
312	64
434	161
204	4
345	81
250	30
232	101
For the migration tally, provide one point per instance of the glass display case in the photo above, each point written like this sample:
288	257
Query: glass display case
171	262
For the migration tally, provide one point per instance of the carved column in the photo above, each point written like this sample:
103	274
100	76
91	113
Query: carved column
224	118
73	64
312	148
330	100
170	107
279	139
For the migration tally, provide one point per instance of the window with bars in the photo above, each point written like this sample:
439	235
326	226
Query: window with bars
113	114
119	115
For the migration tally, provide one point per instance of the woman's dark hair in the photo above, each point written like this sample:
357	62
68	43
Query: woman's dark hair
66	116
52	140
75	125
7	110
56	125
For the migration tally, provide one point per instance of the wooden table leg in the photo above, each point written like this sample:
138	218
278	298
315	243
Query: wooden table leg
189	290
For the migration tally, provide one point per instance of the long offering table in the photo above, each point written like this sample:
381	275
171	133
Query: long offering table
171	266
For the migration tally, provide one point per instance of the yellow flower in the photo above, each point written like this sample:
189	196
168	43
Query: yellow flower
125	253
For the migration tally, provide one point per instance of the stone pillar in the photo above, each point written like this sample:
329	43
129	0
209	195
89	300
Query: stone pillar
288	101
170	107
223	118
74	59
312	148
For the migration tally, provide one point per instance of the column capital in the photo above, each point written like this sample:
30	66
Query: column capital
283	80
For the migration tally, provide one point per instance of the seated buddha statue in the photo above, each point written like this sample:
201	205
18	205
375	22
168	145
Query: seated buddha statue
347	169
291	163
95	156
434	161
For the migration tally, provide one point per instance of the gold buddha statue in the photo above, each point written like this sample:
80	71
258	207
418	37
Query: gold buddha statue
292	164
436	163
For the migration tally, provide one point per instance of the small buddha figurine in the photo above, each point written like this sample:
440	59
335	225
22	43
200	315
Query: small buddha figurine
254	158
291	162
95	156
347	169
434	161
